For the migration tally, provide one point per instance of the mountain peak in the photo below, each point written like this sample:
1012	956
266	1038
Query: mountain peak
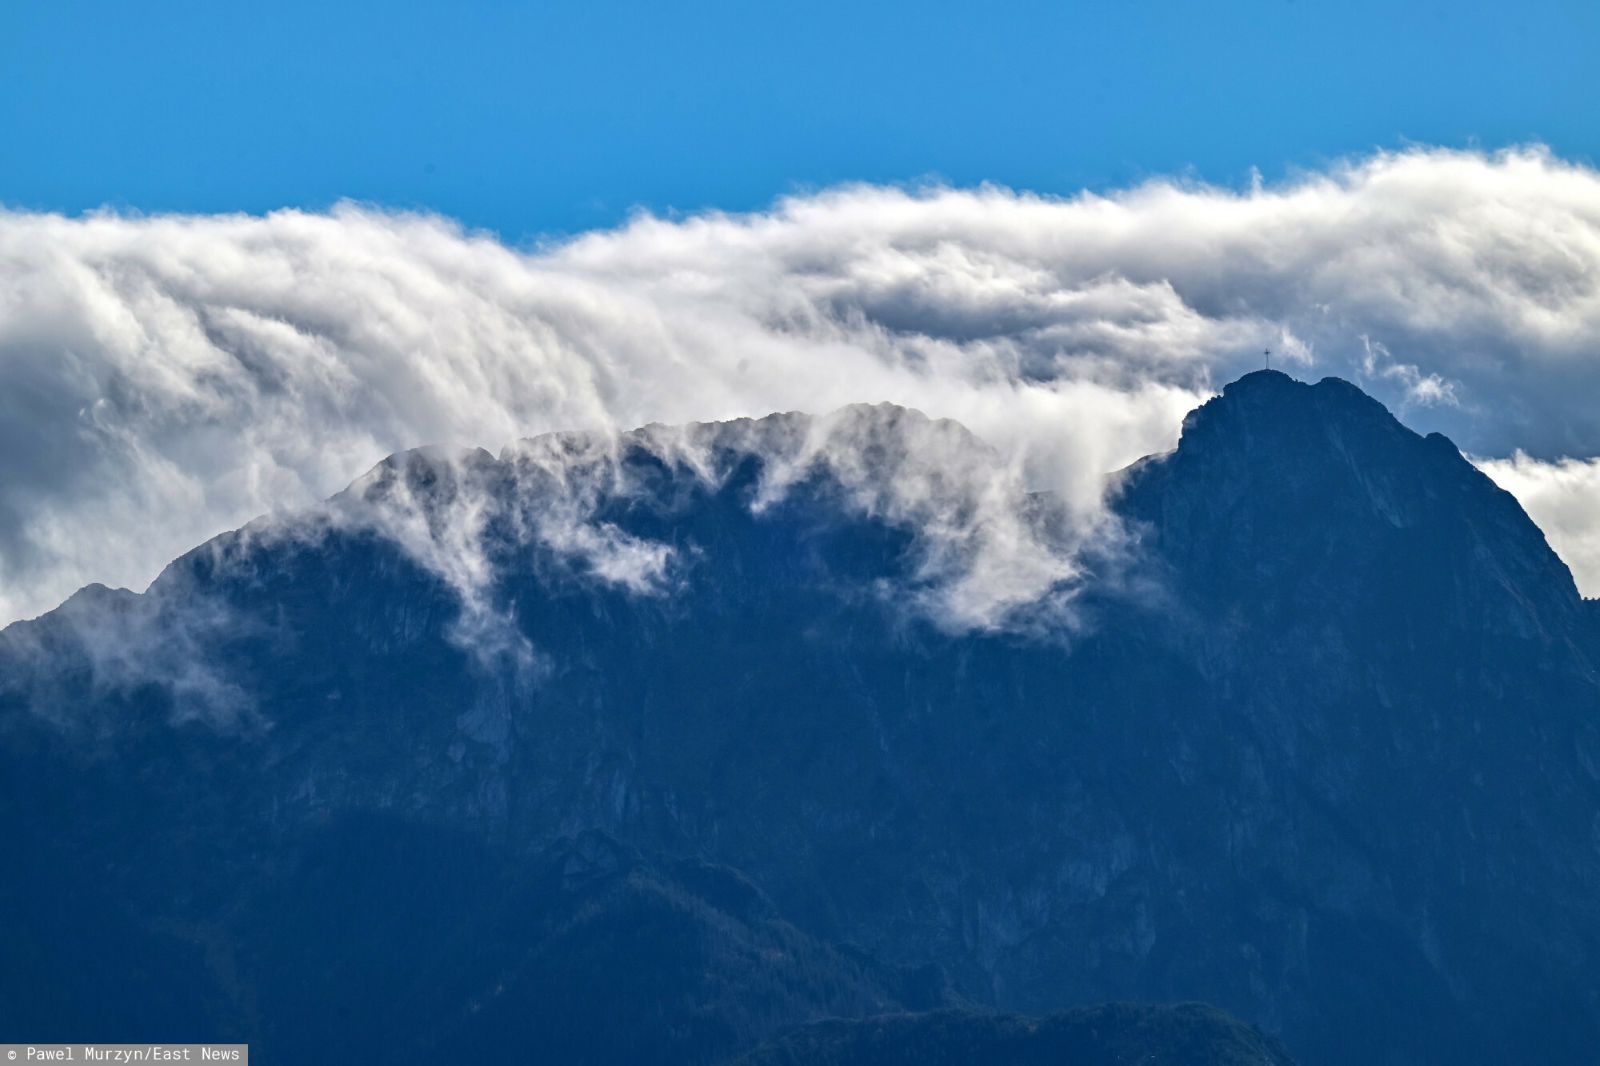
1299	492
1268	404
1264	379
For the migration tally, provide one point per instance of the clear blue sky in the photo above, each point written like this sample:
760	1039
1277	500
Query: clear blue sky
534	118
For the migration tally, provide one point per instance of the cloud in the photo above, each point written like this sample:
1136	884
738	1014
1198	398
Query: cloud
982	553
1423	390
172	376
148	649
1564	499
978	550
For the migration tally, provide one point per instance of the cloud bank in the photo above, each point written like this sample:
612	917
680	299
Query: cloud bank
170	377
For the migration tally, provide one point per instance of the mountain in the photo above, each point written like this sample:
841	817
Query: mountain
851	726
1187	1034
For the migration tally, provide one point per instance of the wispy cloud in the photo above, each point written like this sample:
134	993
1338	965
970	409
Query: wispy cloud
977	549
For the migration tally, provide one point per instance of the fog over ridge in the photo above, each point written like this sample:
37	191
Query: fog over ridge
173	376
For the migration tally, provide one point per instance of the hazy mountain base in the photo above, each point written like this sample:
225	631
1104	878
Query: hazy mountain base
1187	1034
385	938
1324	752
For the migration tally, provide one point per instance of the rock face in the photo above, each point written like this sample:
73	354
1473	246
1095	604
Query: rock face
1318	741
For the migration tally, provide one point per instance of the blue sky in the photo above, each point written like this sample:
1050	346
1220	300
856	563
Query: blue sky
532	118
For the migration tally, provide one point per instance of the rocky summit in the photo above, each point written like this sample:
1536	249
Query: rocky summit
817	740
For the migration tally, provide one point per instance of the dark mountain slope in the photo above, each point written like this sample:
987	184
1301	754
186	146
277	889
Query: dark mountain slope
1113	1035
1287	500
1412	665
385	935
1319	747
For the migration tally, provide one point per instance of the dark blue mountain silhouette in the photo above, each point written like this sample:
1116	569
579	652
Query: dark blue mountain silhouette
1316	741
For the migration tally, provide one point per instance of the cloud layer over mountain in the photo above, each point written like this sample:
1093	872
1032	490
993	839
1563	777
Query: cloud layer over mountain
171	377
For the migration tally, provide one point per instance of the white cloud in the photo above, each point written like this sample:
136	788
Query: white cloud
169	377
1423	390
978	551
1564	499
